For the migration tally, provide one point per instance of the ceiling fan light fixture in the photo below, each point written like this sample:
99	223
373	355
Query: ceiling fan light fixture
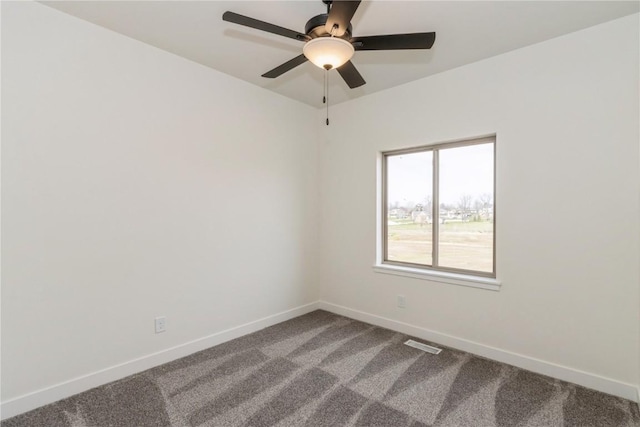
331	52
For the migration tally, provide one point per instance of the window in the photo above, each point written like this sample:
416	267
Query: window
438	207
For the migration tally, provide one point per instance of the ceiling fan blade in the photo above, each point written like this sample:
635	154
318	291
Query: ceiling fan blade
264	26
351	75
340	14
395	41
289	65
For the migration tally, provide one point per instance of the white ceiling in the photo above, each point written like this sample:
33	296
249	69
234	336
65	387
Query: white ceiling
466	31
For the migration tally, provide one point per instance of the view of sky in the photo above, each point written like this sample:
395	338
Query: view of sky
463	170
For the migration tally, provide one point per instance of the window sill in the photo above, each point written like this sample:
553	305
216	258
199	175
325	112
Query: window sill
440	276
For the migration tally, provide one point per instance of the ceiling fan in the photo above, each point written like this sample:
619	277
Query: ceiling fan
329	42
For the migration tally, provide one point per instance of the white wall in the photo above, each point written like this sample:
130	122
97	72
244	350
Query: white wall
566	116
138	184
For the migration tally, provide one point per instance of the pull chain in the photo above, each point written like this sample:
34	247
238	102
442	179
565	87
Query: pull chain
326	96
324	88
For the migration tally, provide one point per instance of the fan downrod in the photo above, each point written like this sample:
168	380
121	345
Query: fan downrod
328	3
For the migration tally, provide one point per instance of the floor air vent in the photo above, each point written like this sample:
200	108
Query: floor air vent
423	347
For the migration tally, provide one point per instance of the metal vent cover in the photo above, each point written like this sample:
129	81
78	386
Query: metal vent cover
423	347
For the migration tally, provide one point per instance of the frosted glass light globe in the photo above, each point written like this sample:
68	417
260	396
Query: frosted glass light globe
328	52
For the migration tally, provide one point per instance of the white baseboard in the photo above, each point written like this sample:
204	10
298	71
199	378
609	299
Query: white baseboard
77	385
595	382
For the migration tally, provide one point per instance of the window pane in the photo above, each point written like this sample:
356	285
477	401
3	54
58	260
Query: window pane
466	207
409	207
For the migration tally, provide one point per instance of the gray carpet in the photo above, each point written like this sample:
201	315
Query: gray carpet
326	370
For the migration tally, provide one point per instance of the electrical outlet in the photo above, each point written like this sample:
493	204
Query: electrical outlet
161	324
402	302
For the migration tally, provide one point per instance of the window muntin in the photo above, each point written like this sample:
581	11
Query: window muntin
438	207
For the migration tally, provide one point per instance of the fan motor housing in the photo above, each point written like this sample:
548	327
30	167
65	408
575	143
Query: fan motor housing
315	27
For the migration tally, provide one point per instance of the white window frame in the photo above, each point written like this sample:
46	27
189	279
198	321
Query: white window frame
474	279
